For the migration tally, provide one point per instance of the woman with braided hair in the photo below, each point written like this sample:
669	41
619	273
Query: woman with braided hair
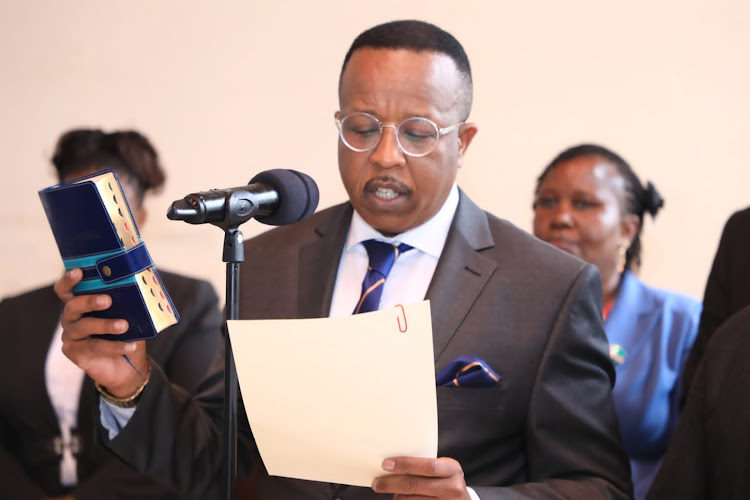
589	202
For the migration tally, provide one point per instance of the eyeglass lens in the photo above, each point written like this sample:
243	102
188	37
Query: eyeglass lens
362	132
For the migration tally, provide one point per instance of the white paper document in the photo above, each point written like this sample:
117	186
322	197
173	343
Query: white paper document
328	399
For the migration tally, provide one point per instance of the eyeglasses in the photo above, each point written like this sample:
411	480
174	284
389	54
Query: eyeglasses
415	136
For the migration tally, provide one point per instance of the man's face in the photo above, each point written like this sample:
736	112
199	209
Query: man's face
392	191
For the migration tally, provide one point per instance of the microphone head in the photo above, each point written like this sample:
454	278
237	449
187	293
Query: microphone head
181	210
298	195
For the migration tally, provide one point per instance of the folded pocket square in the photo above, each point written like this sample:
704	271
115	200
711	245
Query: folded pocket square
467	371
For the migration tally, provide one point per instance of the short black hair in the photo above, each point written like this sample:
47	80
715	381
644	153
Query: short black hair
418	36
638	198
128	152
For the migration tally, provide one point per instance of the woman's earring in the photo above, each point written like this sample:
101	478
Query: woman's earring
622	258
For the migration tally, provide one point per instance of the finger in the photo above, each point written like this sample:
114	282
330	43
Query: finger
64	286
78	326
110	363
413	487
419	466
136	352
78	306
417	477
84	328
99	348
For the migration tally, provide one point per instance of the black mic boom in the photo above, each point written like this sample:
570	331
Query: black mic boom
276	197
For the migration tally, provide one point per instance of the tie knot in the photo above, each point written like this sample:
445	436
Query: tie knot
382	255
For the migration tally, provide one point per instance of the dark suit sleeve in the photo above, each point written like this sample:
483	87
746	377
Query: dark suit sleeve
727	289
117	478
177	438
682	474
572	439
716	306
707	458
184	353
197	338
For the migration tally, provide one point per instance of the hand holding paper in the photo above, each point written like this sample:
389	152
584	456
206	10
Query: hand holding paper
329	399
427	477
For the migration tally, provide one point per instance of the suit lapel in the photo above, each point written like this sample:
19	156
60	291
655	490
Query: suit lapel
319	260
627	323
461	274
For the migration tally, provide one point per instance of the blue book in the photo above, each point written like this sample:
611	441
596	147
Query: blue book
95	231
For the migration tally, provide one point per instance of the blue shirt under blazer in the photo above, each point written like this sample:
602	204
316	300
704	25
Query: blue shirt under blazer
656	328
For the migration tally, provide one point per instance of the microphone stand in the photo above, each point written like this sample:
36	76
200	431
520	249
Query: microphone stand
227	209
236	210
233	254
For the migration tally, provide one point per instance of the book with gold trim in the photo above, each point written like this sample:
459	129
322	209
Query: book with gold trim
95	231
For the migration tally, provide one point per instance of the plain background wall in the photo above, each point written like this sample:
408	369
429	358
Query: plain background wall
228	89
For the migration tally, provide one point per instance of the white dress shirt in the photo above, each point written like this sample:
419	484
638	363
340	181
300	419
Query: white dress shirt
64	381
411	273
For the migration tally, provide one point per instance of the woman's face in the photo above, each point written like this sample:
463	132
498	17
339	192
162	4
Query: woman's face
579	208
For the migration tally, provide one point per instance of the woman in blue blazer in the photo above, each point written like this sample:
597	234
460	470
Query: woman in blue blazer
590	203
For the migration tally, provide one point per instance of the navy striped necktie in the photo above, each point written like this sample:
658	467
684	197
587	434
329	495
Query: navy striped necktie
382	256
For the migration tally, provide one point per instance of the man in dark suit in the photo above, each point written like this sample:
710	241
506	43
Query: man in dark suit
709	456
727	289
531	312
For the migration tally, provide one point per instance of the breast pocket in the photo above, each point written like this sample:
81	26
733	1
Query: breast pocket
474	419
469	409
469	399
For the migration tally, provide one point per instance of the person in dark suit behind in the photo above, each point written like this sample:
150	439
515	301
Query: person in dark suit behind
709	457
47	431
727	289
590	203
530	312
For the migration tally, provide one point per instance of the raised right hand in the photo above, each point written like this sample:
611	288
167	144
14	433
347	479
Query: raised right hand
103	360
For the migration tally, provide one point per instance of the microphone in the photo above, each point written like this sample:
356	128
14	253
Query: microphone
275	197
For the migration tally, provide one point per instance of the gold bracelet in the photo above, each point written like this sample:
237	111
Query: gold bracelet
129	402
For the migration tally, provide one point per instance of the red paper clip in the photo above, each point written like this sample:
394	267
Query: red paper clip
403	314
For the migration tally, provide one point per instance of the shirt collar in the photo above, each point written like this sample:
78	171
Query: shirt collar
429	237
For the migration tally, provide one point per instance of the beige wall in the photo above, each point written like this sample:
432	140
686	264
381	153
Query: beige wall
228	89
